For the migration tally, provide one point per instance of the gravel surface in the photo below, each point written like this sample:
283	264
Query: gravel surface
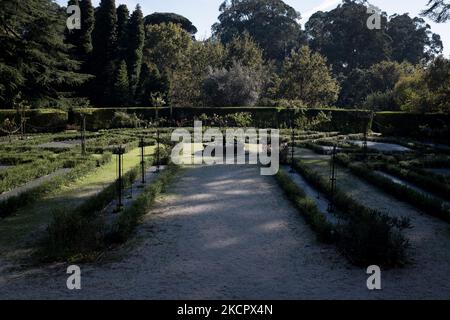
380	146
224	232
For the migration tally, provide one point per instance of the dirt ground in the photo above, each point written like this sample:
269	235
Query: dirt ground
226	232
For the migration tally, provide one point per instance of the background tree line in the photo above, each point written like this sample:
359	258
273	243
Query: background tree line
258	54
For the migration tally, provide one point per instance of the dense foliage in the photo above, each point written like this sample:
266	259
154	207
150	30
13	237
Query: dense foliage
258	55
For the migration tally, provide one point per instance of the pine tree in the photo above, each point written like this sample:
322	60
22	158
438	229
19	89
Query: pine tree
34	59
121	85
136	39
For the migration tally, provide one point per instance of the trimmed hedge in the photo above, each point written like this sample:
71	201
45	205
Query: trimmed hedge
368	236
83	232
307	207
346	121
13	204
39	120
426	204
427	125
431	126
129	218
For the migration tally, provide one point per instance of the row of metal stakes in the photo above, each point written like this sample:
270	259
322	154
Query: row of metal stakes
119	152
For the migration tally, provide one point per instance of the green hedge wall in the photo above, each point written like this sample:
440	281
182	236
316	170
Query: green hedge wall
425	126
39	120
346	121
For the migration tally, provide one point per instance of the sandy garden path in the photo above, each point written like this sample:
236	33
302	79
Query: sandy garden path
222	232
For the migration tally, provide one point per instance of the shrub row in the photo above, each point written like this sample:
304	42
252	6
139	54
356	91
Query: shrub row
426	182
130	217
307	207
429	125
367	236
82	233
344	120
21	174
12	204
427	204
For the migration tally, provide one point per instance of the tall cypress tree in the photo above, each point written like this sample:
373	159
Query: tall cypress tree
73	36
81	39
87	26
104	40
123	15
136	39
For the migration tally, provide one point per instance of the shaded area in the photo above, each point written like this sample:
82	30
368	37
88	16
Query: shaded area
18	232
225	232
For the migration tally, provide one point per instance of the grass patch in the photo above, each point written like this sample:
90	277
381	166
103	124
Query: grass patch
82	233
16	229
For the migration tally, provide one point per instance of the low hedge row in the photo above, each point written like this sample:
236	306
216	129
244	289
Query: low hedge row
13	204
79	233
367	236
18	175
83	232
424	181
307	207
426	204
129	218
346	121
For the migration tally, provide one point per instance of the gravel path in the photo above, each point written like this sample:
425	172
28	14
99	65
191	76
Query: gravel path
223	232
381	146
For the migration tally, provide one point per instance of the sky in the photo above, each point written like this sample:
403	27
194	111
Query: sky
204	13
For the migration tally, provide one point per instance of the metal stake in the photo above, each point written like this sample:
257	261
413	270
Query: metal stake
332	180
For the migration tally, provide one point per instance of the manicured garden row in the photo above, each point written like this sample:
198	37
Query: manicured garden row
422	180
18	175
17	158
11	205
83	233
307	207
367	236
130	217
429	205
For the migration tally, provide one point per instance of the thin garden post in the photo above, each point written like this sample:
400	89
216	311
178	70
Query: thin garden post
119	160
142	161
292	141
332	180
83	135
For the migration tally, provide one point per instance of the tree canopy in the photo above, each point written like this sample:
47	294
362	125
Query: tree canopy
271	23
163	17
34	61
258	54
438	10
